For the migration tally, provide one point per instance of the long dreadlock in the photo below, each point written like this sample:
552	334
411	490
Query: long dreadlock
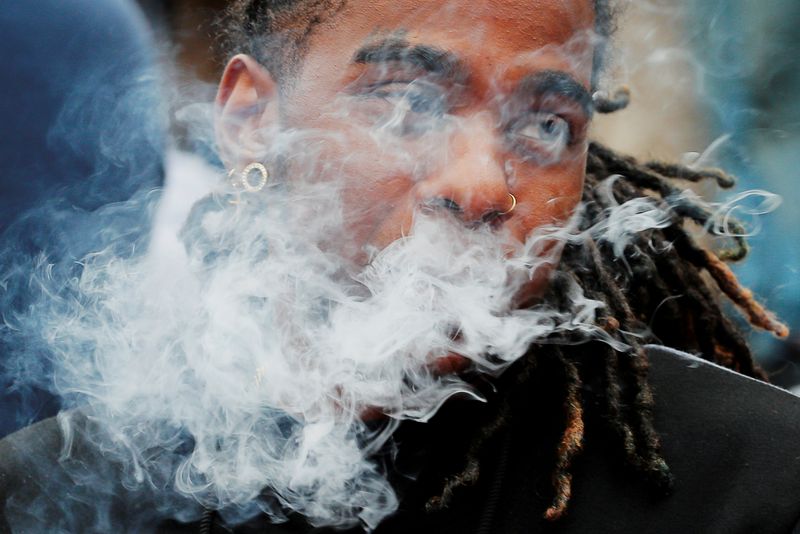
668	294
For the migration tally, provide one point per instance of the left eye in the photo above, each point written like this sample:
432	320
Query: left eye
544	128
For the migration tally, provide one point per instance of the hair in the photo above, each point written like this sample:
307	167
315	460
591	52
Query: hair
667	293
276	32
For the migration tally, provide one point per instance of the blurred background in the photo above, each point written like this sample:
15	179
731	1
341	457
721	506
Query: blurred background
712	81
721	78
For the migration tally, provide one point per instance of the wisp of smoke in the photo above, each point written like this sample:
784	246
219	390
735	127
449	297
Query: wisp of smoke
243	364
240	365
243	368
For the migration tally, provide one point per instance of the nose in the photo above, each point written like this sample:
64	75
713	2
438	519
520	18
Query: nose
471	182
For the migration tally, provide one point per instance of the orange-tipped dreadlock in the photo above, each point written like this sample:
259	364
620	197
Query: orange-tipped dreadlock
672	285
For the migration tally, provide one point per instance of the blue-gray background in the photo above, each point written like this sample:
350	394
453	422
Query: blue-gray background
751	51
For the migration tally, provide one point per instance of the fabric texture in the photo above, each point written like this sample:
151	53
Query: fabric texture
731	442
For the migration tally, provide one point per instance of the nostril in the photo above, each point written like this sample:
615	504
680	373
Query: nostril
492	217
443	202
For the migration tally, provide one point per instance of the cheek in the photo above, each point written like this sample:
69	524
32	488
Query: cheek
375	185
549	197
375	171
371	200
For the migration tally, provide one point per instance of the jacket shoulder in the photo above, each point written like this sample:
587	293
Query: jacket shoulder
53	478
732	444
710	401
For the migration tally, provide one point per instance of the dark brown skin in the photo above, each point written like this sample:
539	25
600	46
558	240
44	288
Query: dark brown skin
496	135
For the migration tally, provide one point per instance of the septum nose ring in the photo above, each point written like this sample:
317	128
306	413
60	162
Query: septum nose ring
513	205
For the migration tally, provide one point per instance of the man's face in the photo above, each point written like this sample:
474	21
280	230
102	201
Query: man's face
469	109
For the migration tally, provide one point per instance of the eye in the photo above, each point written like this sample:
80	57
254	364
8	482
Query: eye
542	134
414	107
418	97
545	128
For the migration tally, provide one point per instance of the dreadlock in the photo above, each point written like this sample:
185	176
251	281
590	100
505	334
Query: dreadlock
668	293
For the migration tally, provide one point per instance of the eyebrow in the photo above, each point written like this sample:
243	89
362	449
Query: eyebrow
559	83
447	65
424	57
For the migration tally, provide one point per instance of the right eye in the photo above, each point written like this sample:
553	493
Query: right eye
414	107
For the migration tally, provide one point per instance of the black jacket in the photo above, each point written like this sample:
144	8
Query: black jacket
732	443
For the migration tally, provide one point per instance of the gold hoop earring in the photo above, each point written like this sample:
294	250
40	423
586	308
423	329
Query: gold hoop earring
244	178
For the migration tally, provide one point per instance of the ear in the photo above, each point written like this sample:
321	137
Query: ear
246	103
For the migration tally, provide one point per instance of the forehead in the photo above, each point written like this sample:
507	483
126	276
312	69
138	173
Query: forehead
537	21
489	36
